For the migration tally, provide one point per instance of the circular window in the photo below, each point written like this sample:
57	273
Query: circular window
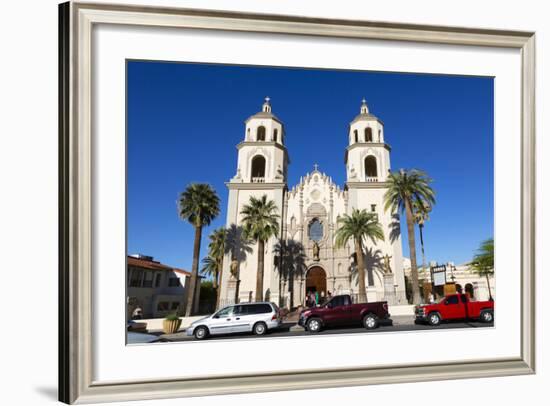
315	230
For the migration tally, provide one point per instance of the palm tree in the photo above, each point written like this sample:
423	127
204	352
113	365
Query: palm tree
238	247
199	205
260	223
210	268
290	262
359	226
406	187
213	263
421	213
484	261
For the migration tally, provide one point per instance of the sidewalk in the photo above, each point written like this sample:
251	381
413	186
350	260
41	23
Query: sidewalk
155	325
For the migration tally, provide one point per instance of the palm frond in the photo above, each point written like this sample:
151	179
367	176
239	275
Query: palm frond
199	204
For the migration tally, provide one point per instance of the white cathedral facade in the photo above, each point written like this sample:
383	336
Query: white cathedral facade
309	213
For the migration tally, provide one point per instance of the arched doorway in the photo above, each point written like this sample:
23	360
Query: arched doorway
316	282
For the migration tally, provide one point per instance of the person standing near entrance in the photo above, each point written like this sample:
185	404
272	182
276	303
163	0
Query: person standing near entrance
311	299
316	298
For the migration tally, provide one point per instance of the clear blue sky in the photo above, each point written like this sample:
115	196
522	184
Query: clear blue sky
184	121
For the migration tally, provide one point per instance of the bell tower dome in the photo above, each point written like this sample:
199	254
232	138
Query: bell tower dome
367	155
262	157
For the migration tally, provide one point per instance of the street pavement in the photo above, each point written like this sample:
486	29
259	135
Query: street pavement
291	329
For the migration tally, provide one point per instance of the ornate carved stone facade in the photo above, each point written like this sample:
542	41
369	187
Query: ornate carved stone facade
304	257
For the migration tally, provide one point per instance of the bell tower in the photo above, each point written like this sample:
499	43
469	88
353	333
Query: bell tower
262	156
367	161
262	162
367	155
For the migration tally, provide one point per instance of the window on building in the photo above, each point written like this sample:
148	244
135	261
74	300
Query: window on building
370	167
275	135
137	276
373	208
315	230
175	305
260	133
163	306
148	280
368	134
158	278
258	168
174	282
355	136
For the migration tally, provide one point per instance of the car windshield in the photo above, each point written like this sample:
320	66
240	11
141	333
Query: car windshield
226	311
326	302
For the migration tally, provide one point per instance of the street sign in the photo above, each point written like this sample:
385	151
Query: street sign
439	275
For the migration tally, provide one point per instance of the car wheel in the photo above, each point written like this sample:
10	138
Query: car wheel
201	333
434	319
486	316
259	329
314	325
370	321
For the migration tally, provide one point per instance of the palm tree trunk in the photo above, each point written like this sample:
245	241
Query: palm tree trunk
236	275
421	227
194	272
291	288
360	271
412	250
488	286
260	272
219	284
237	284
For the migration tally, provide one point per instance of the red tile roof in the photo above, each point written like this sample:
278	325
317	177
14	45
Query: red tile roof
154	265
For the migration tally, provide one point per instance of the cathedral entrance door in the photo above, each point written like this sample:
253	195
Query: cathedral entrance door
316	282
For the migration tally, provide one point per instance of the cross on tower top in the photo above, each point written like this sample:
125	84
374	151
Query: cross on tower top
364	108
267	106
315	167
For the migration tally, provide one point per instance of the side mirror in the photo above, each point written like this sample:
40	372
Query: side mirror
215	316
329	305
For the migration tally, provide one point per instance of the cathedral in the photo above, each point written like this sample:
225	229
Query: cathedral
304	258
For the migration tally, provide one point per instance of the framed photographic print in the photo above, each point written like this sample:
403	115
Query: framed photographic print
314	199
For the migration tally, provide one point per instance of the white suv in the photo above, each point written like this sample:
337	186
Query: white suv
257	318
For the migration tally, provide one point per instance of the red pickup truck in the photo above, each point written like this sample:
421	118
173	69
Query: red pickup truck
340	311
453	307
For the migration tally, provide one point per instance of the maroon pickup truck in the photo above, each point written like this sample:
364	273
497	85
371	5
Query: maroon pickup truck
340	311
454	307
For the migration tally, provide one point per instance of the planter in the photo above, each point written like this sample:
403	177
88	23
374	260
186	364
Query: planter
171	326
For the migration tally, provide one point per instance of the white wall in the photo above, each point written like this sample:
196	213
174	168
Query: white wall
28	164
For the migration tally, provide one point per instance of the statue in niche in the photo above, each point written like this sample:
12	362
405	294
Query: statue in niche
234	268
387	267
279	172
316	251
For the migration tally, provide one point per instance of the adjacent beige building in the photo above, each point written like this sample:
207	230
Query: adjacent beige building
465	278
155	289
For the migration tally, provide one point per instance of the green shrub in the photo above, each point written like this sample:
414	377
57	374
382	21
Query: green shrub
172	317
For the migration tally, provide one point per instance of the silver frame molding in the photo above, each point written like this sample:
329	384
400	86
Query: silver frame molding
76	21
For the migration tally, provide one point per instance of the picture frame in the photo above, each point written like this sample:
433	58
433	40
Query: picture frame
76	216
